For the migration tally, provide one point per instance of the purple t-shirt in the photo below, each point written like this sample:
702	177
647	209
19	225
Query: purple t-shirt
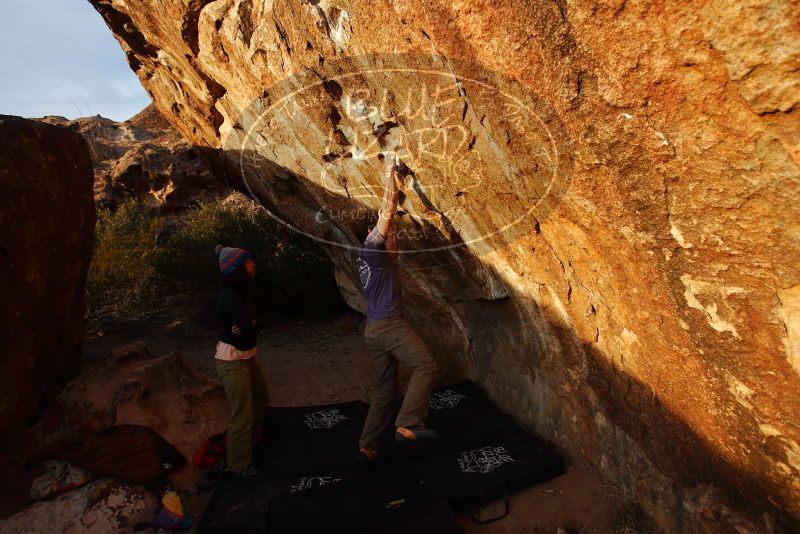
380	278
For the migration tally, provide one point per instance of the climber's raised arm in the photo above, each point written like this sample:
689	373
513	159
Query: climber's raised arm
389	205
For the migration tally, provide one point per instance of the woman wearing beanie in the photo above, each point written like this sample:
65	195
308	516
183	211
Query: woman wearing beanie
236	364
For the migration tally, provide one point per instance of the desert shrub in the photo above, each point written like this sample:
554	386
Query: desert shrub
171	262
121	270
292	276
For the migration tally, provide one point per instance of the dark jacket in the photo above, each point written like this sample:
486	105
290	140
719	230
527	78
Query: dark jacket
236	308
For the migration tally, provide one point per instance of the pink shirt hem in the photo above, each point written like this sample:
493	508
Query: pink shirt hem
229	352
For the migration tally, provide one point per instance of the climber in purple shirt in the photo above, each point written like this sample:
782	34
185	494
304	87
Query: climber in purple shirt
388	336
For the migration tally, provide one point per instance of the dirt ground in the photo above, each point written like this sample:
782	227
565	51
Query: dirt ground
326	362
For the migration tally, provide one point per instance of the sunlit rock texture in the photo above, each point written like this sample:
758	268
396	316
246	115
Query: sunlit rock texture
599	208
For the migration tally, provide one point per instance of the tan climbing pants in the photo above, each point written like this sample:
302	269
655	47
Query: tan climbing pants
247	401
392	341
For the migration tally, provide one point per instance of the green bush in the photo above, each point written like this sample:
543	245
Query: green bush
121	270
171	262
187	255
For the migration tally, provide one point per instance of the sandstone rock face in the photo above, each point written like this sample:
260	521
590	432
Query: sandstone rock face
144	158
134	387
47	219
101	507
599	210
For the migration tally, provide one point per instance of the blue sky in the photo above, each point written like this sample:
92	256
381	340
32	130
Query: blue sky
57	57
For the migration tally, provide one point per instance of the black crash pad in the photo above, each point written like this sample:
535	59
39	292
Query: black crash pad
240	506
321	439
477	474
463	415
358	501
312	482
440	519
383	500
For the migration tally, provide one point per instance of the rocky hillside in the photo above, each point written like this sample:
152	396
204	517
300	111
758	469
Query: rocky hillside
600	212
144	158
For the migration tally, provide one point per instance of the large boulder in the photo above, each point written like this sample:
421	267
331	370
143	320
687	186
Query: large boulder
134	387
600	207
47	218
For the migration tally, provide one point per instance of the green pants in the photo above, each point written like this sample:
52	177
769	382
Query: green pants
247	400
392	341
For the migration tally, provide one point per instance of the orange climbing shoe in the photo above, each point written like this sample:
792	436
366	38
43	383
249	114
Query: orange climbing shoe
367	455
415	433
